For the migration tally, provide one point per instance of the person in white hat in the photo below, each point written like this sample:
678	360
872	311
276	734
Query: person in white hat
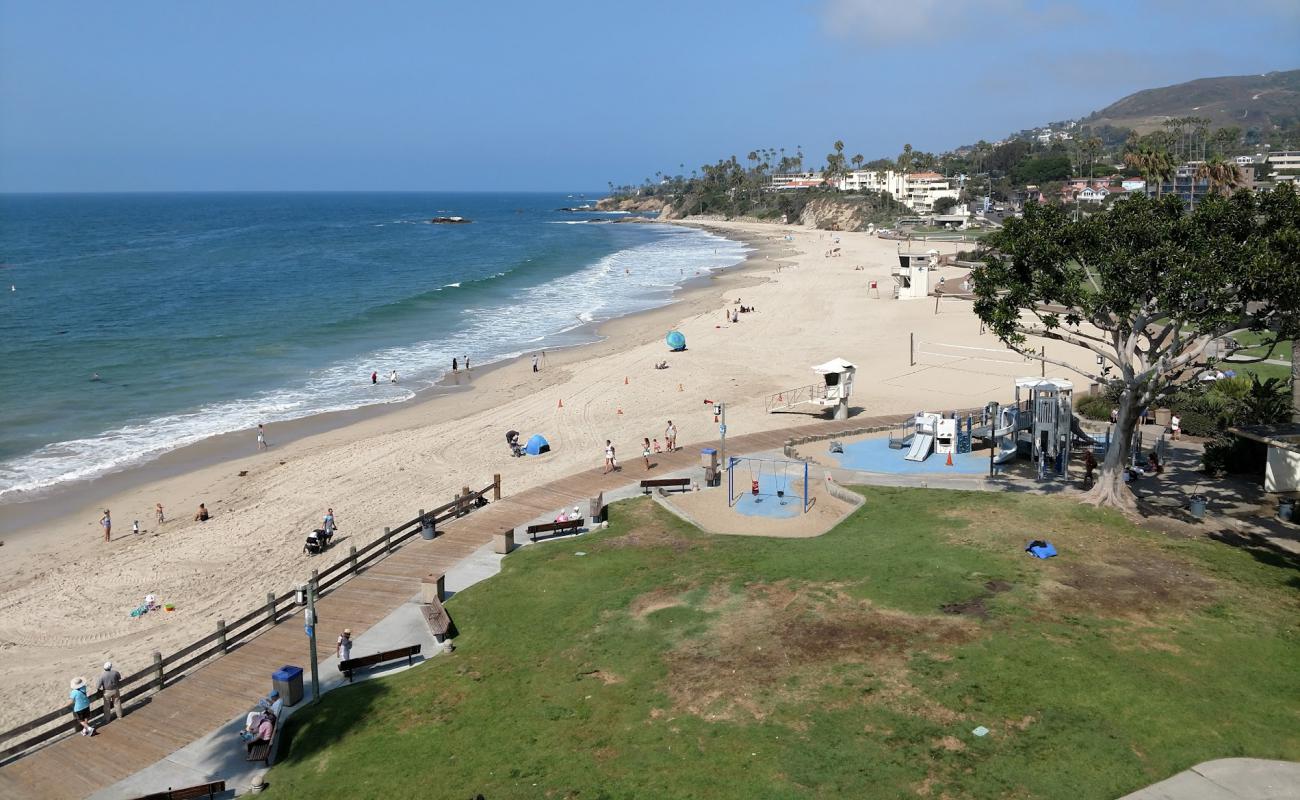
108	683
81	706
344	645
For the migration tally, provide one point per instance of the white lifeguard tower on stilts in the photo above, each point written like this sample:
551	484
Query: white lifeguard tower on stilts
832	393
912	275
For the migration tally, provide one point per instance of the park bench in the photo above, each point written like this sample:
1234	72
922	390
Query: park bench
261	749
439	621
409	653
554	527
681	484
208	790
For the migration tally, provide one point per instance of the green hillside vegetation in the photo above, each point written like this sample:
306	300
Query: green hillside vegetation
1244	101
651	660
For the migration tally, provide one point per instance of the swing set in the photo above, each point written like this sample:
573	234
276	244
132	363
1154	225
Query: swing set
771	481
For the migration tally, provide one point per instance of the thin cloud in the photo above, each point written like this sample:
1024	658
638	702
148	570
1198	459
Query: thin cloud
892	22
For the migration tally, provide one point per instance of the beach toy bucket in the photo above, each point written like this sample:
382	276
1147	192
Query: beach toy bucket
1196	505
1286	510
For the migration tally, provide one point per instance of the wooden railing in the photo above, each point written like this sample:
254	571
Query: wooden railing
167	669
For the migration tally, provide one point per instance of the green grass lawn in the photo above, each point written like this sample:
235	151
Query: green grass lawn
668	663
1281	351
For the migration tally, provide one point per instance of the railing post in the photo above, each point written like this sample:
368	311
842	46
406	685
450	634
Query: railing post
388	541
315	582
352	556
496	486
221	634
270	608
157	671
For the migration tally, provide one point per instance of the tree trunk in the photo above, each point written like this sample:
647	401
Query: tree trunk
1295	380
1110	490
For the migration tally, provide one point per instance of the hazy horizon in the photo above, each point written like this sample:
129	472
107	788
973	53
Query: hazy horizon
410	96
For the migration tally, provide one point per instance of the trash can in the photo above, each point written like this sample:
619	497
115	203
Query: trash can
287	680
426	529
1286	510
709	461
1196	505
1164	416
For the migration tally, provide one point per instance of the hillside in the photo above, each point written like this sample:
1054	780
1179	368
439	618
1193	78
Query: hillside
1247	101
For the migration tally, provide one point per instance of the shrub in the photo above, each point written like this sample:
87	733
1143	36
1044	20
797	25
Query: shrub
1095	406
1227	453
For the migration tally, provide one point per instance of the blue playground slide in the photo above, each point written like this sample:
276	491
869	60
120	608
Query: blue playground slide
922	446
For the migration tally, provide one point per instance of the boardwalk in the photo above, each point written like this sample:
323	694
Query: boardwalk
224	688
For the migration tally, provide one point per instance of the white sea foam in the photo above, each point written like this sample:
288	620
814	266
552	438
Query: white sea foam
624	282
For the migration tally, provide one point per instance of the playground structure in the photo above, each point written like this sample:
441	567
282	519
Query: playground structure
912	275
833	392
774	481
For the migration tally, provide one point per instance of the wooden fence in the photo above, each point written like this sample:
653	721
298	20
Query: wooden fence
168	669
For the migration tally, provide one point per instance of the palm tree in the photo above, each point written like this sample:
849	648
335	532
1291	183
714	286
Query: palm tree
905	158
1223	176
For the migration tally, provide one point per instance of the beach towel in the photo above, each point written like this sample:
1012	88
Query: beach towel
1040	549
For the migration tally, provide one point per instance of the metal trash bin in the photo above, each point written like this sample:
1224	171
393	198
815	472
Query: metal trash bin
1286	510
1196	505
287	680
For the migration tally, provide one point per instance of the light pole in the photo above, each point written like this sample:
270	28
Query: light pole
310	628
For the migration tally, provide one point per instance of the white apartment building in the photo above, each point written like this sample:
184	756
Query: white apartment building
1285	164
917	190
782	181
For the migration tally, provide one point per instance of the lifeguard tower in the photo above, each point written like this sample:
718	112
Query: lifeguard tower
833	392
912	275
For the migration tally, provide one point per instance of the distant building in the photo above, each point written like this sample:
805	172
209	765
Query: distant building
919	191
1133	185
1244	161
1285	165
1093	194
783	181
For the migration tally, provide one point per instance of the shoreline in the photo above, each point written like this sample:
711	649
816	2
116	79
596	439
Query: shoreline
21	518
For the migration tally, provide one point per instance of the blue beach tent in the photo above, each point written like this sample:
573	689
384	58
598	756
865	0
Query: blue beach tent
537	445
676	341
1040	549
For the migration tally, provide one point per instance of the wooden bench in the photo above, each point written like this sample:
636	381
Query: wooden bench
261	749
554	527
439	621
409	653
681	484
209	790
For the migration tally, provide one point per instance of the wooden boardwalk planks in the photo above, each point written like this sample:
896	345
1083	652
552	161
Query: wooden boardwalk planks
218	691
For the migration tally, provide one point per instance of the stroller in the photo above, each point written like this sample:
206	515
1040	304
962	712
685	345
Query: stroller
512	439
317	542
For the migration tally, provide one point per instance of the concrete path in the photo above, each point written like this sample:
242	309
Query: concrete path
1228	779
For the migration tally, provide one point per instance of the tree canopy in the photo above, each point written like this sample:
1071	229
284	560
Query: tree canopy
1145	286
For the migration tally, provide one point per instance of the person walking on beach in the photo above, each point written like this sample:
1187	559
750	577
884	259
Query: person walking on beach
135	527
106	522
534	362
158	513
81	706
344	645
670	437
328	523
645	453
374	377
261	436
609	457
108	684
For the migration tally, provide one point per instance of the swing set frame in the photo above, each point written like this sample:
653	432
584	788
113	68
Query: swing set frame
784	465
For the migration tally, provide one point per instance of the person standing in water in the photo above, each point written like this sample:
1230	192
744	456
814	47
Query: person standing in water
392	378
374	377
106	522
467	363
455	365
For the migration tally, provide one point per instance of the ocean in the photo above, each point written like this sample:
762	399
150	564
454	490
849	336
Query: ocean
135	324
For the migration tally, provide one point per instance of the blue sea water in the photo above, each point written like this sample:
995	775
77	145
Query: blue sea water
204	314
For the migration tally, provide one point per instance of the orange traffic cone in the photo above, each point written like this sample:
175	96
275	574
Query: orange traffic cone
561	405
950	458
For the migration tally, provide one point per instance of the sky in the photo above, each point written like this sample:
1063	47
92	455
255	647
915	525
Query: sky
435	95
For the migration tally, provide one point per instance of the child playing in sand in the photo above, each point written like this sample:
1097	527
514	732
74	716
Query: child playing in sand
645	452
656	446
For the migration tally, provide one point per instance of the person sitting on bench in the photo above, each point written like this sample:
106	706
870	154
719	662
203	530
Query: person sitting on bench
272	703
265	729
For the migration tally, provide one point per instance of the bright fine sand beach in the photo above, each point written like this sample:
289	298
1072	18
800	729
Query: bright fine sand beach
66	603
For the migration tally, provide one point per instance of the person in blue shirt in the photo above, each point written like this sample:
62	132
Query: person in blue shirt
81	705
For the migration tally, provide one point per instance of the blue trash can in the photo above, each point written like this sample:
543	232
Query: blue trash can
1196	505
1286	510
287	680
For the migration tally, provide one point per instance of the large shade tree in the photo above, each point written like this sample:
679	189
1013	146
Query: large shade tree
1146	287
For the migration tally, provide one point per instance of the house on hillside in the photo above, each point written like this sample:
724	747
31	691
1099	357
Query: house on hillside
1133	185
784	181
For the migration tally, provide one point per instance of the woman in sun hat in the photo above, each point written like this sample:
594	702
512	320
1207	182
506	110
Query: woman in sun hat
344	645
81	705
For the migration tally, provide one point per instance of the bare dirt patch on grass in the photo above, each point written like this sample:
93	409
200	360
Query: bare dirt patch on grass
649	528
1128	587
775	644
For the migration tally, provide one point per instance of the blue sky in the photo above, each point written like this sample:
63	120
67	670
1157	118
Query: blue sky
441	95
